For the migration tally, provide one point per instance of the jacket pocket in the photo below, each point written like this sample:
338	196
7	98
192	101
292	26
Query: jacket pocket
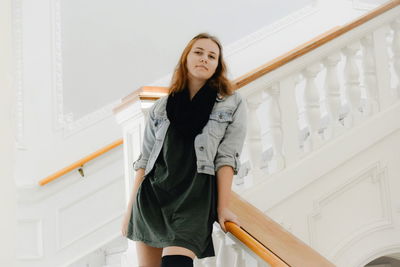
219	120
158	125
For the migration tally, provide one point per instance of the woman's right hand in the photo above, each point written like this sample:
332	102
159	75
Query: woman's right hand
125	224
125	221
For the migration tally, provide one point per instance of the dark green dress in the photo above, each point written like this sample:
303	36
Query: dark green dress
175	205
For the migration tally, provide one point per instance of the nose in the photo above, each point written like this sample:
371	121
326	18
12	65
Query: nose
203	60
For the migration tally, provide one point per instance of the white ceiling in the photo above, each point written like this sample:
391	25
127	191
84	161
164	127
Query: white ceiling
110	48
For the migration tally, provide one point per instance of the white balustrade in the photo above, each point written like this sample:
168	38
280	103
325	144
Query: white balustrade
310	107
369	70
395	25
230	252
331	99
273	122
222	252
262	263
289	119
382	63
324	105
223	255
209	262
254	134
352	84
238	252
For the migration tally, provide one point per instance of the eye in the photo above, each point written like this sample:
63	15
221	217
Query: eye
211	56
197	52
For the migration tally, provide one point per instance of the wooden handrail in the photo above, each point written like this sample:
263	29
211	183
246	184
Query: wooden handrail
80	162
259	249
311	45
274	237
143	93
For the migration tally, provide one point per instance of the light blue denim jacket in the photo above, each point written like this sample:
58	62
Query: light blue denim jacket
219	143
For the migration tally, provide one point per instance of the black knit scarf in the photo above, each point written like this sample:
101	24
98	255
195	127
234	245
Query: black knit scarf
190	116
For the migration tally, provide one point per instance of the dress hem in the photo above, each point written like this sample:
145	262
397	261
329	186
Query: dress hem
167	243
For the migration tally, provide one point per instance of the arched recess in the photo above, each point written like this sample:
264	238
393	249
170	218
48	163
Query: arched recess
370	246
380	252
374	253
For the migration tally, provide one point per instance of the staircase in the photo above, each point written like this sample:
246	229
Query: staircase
320	159
323	119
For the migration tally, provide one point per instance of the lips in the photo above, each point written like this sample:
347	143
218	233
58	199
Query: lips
201	66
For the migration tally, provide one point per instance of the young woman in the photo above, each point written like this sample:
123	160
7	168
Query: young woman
191	147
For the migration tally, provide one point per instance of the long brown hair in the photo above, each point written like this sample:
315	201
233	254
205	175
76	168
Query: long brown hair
218	80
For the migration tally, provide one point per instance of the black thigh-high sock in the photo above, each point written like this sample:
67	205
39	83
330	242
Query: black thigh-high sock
176	261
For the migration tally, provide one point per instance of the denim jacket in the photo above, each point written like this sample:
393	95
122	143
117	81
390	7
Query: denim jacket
219	143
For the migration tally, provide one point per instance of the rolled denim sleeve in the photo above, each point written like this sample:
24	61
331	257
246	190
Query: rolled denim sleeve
148	140
231	145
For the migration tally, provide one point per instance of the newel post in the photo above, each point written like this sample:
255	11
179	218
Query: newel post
131	116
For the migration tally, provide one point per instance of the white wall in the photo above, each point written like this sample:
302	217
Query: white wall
7	99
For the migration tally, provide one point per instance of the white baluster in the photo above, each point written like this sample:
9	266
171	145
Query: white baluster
209	262
198	262
352	85
114	252
273	122
262	263
332	100
289	118
395	25
222	253
381	55
311	109
370	83
254	143
239	259
243	172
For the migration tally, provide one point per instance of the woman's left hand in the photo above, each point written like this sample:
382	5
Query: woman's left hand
225	214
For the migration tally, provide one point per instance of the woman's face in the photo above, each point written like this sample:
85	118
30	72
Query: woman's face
202	60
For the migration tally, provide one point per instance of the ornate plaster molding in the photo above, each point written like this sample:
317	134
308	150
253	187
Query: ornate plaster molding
271	29
36	252
18	73
360	5
66	122
376	175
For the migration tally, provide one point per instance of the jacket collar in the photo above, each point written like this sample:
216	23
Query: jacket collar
220	98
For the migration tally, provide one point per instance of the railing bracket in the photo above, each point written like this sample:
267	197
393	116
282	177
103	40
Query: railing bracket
80	170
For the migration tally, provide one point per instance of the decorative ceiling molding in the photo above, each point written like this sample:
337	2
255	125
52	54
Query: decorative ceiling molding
72	126
56	55
270	29
66	122
16	6
360	5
